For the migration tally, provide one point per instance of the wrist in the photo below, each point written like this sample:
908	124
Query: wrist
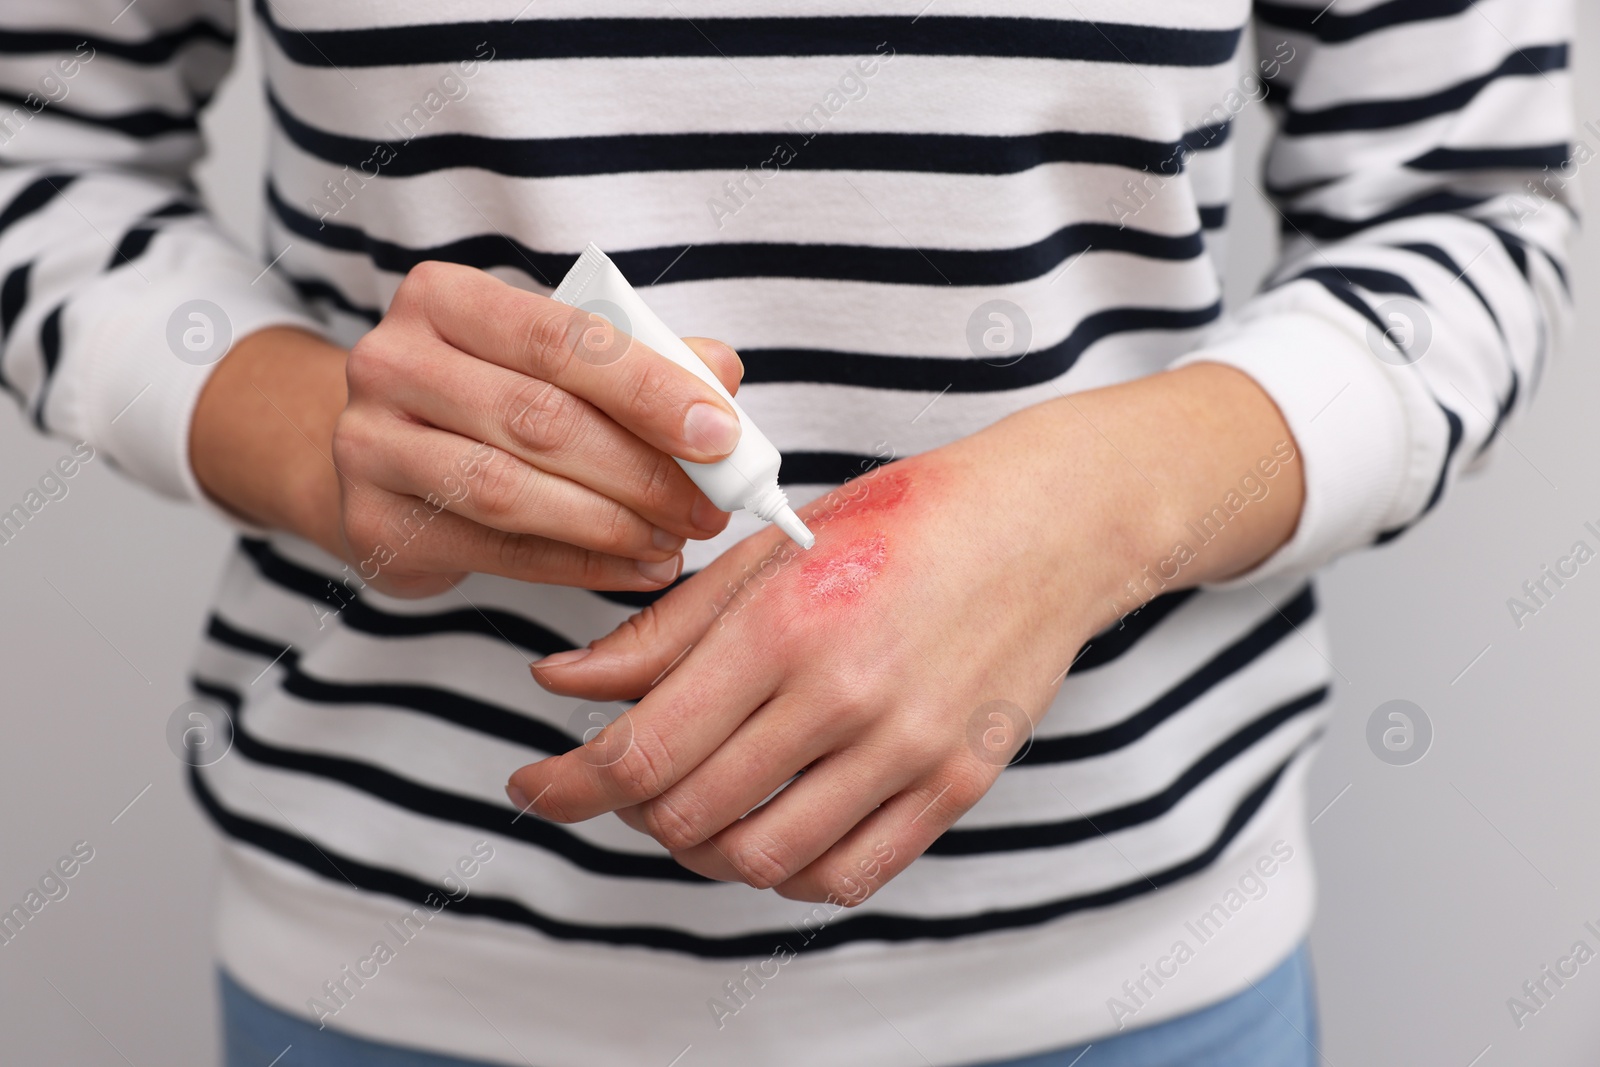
1157	485
261	434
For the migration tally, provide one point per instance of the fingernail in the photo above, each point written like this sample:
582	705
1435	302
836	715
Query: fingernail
710	429
519	799
706	516
561	659
660	572
665	540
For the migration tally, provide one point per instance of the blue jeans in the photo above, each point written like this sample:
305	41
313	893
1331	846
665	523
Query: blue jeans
1272	1025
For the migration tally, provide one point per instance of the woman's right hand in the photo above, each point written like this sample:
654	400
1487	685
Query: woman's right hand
487	429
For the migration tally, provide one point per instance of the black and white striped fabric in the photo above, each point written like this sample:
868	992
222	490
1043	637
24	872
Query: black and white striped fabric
835	189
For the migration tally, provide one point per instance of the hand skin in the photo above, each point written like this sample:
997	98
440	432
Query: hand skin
964	575
478	427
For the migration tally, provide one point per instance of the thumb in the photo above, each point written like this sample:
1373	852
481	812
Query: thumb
631	660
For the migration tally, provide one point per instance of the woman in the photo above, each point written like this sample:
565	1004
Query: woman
1049	676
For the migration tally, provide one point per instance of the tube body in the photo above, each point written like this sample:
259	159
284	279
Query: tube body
745	478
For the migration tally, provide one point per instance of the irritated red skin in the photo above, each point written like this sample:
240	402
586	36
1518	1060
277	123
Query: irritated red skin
837	572
842	573
879	492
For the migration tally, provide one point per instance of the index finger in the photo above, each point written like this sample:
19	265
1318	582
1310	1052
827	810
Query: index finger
667	406
655	744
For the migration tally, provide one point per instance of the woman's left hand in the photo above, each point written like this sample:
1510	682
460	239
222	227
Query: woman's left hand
899	664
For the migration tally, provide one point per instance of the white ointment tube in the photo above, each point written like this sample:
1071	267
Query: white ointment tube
748	476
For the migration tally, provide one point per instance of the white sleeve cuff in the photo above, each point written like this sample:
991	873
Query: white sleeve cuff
1350	428
131	375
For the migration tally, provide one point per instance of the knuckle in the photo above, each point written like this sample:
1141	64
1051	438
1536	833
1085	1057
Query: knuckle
517	554
370	363
847	888
644	771
549	336
595	570
670	822
856	698
857	707
352	438
648	635
620	535
639	628
502	491
650	393
540	417
428	272
423	279
765	862
657	483
961	784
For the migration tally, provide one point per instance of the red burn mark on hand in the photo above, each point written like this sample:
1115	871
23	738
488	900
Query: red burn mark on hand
879	491
845	572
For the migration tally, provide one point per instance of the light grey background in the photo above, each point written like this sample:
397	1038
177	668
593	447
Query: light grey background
1445	884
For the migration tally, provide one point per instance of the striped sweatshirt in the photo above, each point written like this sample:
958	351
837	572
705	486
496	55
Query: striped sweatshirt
911	217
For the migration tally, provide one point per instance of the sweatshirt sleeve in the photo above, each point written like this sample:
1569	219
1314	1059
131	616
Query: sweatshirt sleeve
118	293
1424	177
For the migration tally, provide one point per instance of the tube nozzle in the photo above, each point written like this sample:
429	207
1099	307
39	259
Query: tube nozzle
787	521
